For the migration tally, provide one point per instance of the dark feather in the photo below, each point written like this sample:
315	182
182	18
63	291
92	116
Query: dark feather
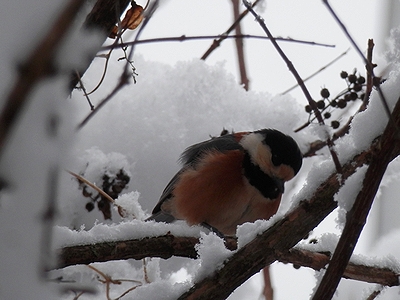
190	157
223	143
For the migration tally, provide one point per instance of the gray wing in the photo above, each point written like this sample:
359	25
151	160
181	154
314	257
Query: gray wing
189	158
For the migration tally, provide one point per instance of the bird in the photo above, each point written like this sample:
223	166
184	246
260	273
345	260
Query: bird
230	180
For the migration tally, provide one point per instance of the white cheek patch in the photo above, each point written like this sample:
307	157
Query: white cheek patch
251	142
260	153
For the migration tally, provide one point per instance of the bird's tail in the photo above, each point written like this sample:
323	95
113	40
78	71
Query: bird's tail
161	217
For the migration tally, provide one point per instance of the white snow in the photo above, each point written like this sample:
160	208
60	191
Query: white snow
134	229
348	194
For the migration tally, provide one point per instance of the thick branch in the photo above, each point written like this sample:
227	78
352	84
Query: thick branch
357	216
168	245
318	261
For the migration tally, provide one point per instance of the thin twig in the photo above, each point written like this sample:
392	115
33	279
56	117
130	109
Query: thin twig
101	19
93	186
122	212
223	36
82	86
184	38
124	78
239	48
318	71
299	80
374	294
370	79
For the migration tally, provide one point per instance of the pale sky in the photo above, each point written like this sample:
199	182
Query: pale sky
307	20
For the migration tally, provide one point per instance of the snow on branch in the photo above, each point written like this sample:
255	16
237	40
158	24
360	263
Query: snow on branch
276	243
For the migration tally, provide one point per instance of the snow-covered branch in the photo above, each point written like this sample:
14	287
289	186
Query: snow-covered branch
168	245
276	243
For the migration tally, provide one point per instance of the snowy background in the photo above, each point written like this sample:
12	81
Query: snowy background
177	101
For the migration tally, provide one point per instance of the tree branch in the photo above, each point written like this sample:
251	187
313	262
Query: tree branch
356	218
168	245
239	48
218	41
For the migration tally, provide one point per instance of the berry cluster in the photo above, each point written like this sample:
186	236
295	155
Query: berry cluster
355	90
113	186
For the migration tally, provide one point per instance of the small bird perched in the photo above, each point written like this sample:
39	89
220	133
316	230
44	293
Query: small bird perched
229	180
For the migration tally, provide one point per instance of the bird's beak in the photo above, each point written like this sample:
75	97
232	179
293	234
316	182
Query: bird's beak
280	184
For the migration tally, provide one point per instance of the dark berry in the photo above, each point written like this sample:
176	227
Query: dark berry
353	96
333	103
85	193
335	124
361	80
347	97
321	104
327	115
342	103
357	87
308	108
362	96
352	78
376	81
343	74
325	93
89	206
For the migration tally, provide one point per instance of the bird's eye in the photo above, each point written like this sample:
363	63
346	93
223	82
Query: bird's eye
276	160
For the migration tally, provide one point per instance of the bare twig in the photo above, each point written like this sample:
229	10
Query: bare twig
122	212
239	48
124	78
268	291
374	294
107	280
318	71
299	80
101	18
218	41
82	86
122	81
184	38
370	79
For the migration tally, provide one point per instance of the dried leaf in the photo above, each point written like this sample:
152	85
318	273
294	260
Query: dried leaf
132	19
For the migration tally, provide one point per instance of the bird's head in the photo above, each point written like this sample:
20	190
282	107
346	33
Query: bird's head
274	153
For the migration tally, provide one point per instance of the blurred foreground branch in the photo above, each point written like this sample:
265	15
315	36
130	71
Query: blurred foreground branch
38	65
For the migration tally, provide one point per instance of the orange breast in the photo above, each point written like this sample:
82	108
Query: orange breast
217	193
